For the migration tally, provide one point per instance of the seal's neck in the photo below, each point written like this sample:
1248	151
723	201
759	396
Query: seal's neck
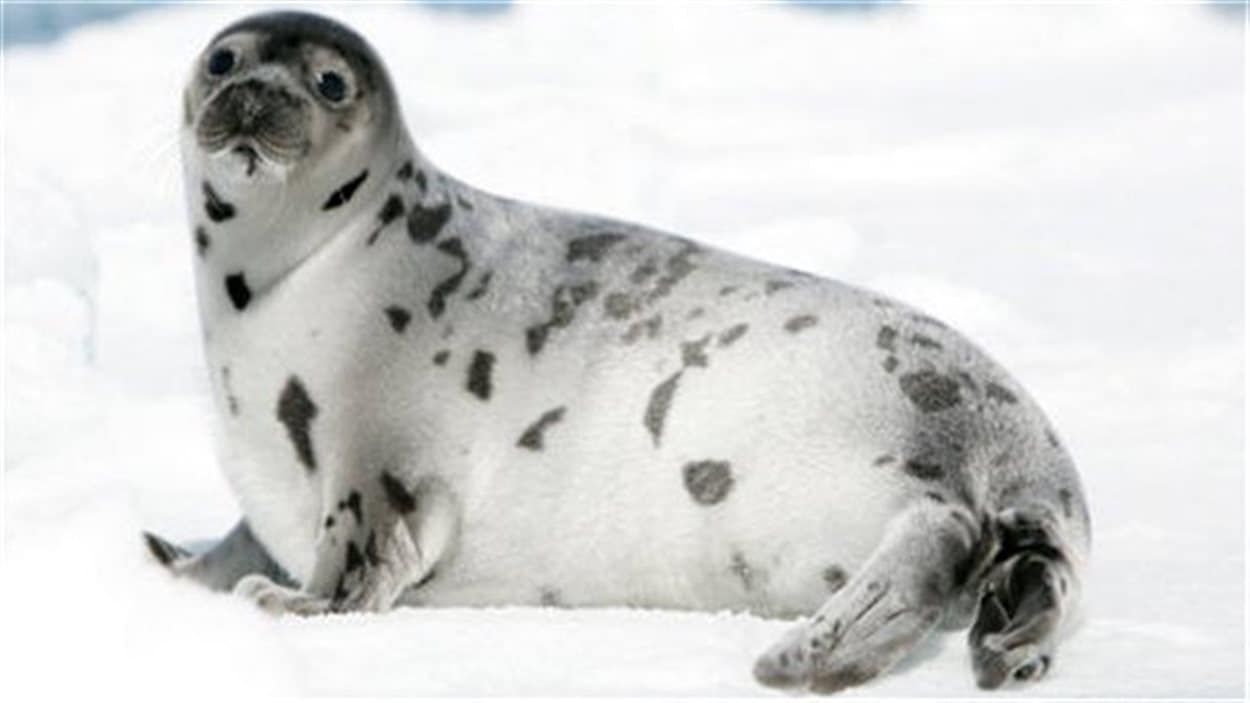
252	233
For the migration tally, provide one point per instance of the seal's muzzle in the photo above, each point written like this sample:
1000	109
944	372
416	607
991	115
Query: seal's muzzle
255	118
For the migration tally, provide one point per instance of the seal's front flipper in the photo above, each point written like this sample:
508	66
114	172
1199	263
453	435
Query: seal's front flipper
1024	597
223	566
897	597
379	538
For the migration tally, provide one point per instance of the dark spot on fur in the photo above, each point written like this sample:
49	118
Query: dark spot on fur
398	317
1000	459
329	521
405	171
695	353
930	391
732	334
345	191
883	460
835	578
398	497
437	303
935	497
352	504
799	323
997	393
889	364
372	558
419	179
236	288
618	306
649	328
479	383
739	567
1050	437
1065	499
676	268
695	313
217	209
536	338
582	292
966	379
425	223
922	341
564	303
592	247
645	270
658	406
928	320
532	438
463	202
886	337
708	481
296	411
771	287
355	560
232	402
440	357
202	241
549	598
727	290
923	470
483	284
391	210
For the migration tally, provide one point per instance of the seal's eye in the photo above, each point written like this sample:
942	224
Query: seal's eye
332	86
220	62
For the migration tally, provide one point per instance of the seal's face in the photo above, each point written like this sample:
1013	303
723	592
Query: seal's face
278	94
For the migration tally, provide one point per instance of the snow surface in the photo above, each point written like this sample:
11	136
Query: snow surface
1062	183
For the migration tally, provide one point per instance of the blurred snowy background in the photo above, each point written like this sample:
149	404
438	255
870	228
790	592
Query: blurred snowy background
1064	183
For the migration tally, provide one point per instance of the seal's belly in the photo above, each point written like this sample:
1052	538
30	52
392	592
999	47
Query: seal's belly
706	480
625	534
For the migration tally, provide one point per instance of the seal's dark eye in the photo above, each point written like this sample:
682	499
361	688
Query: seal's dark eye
332	86
220	63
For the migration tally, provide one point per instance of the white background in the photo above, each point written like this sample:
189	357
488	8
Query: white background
1065	184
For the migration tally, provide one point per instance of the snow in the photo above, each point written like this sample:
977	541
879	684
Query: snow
1063	183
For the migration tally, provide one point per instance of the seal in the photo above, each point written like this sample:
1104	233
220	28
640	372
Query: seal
431	395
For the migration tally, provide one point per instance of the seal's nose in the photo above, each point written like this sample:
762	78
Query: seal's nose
248	103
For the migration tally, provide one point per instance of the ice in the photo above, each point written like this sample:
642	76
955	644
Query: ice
1063	183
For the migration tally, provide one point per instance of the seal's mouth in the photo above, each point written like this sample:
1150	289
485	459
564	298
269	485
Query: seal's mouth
249	154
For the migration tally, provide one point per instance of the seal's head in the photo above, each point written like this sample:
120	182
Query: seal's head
275	96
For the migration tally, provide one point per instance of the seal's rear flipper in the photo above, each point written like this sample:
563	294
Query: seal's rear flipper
911	579
1024	597
221	567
